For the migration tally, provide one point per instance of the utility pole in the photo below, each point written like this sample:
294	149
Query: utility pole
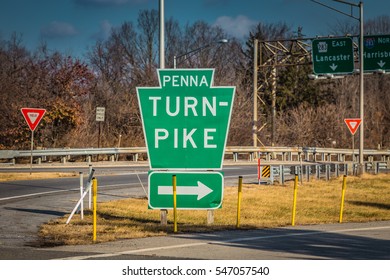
361	70
254	127
162	35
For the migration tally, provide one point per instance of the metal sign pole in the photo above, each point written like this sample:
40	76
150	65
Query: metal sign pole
353	147
32	146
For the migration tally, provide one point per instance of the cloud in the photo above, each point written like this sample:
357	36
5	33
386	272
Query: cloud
107	2
104	31
58	29
238	27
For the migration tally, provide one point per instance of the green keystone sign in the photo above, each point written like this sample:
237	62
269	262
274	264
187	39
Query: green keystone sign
186	119
376	52
194	190
333	56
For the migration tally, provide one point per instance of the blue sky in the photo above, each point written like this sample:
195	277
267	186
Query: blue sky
70	26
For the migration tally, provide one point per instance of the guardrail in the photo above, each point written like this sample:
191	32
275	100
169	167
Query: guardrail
237	153
324	170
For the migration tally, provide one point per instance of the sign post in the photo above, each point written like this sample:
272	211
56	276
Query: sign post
186	121
100	117
32	116
353	125
332	56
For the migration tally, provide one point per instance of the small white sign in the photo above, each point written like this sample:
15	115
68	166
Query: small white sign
100	114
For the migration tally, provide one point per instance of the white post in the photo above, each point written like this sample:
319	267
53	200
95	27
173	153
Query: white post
81	195
90	193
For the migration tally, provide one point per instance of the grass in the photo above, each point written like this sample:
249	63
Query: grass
367	199
13	176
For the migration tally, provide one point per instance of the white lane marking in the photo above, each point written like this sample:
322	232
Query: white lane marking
61	191
33	194
226	242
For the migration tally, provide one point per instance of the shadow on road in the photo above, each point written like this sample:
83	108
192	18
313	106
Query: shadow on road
310	243
37	211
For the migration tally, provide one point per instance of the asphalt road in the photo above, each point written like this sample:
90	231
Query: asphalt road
24	205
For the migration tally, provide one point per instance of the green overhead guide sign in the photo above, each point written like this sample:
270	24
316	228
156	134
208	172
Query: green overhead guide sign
332	56
376	53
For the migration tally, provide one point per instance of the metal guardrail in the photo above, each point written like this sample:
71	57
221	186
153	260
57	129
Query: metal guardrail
237	152
326	171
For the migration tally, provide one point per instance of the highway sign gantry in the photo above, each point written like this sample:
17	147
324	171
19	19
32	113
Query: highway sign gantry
332	56
376	53
195	190
186	119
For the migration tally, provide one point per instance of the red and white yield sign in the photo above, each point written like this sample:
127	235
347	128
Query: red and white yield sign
33	116
353	124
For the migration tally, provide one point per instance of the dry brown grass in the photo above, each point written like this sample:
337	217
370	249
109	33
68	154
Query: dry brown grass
13	176
367	199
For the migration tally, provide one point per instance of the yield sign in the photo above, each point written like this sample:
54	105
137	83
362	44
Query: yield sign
353	124
33	116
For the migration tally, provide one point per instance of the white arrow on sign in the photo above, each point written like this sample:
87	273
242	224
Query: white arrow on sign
333	67
381	64
201	190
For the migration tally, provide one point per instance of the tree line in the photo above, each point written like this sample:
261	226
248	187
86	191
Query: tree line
308	113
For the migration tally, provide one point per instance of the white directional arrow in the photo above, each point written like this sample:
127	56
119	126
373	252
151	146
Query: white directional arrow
201	190
381	64
333	67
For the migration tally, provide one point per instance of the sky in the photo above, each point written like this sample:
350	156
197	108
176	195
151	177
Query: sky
71	26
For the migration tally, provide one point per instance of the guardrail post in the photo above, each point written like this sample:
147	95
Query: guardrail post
281	172
307	167
327	171
318	171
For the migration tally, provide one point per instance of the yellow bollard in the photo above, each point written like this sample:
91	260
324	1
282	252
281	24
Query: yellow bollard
294	200
239	201
94	194
342	198
174	204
